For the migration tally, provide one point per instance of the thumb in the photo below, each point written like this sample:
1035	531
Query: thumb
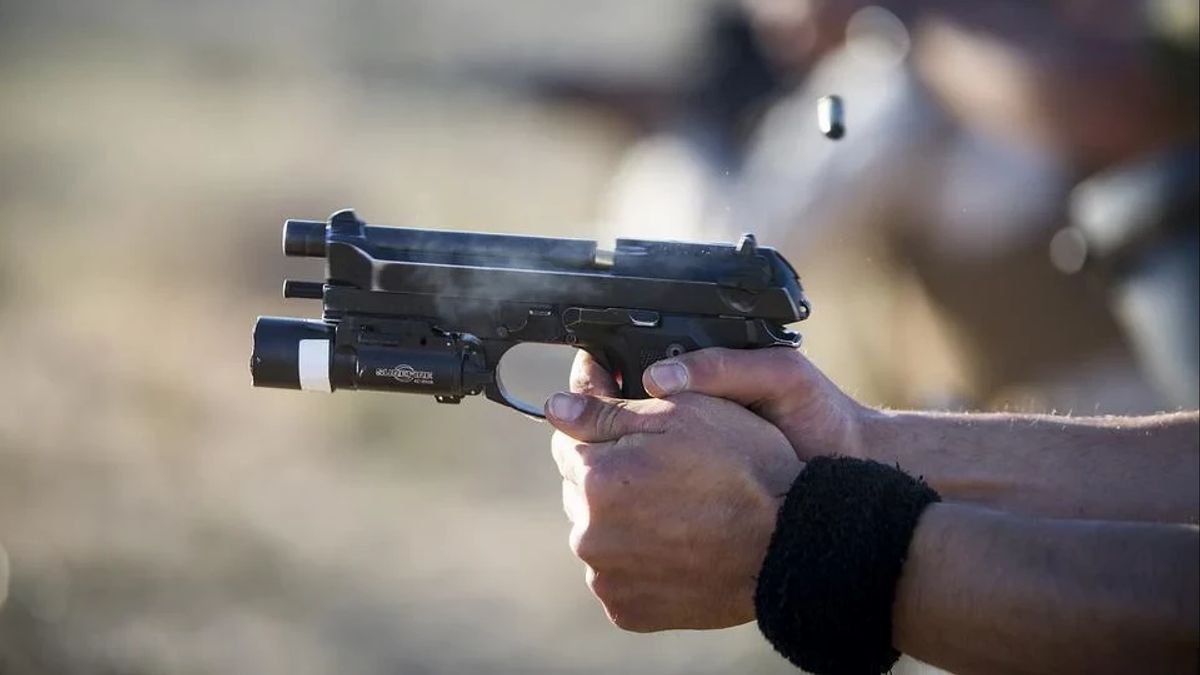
592	419
751	377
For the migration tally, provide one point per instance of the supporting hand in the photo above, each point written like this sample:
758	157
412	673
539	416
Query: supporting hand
672	502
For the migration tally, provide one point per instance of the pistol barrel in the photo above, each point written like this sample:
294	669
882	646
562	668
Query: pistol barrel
304	238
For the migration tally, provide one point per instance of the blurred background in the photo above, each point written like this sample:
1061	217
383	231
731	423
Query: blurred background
1009	224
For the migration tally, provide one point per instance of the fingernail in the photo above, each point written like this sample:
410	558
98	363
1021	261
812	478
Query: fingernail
669	376
565	407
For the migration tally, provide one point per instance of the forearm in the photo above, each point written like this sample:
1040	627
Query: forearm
1141	469
989	592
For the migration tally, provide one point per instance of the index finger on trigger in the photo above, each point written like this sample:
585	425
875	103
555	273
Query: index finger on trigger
588	377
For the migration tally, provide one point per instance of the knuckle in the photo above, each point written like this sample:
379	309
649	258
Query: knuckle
667	408
609	416
577	376
572	501
629	618
594	582
560	444
719	363
682	412
598	485
789	361
584	545
792	367
616	594
703	365
658	415
580	449
575	451
578	381
605	586
587	377
569	455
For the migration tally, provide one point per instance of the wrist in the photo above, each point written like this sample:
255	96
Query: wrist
844	429
825	594
760	532
874	427
859	431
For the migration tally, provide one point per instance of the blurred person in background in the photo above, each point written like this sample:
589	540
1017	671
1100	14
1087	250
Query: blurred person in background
1135	222
970	124
1109	88
676	178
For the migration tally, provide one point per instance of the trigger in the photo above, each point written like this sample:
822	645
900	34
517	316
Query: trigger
607	364
600	359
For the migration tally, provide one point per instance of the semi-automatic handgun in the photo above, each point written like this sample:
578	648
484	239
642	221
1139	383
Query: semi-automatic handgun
434	311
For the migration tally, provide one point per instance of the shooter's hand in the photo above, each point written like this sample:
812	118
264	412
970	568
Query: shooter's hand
672	502
777	383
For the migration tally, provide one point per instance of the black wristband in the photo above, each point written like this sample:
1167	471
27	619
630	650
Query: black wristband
825	592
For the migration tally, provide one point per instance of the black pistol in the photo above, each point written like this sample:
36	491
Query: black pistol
433	312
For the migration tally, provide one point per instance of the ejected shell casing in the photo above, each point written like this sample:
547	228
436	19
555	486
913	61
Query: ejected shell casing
831	116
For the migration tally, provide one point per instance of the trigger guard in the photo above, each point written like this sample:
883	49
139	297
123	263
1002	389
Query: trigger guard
499	394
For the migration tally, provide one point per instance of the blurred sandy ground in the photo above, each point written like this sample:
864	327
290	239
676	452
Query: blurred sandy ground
160	515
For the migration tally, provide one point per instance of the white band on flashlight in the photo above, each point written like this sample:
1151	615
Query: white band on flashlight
313	365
